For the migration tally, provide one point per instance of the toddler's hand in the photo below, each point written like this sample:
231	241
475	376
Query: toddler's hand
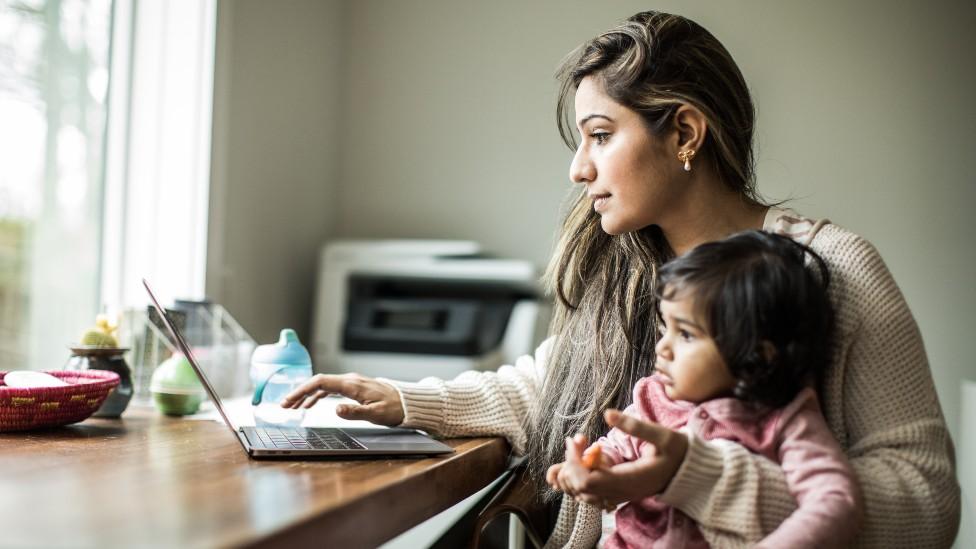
552	476
566	476
571	475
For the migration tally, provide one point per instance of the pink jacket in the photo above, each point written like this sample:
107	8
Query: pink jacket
829	504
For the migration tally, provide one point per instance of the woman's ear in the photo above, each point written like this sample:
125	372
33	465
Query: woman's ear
691	127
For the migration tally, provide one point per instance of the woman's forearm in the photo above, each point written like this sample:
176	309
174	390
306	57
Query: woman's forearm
910	494
724	486
477	403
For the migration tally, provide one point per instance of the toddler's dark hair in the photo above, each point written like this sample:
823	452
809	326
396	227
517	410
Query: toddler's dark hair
755	287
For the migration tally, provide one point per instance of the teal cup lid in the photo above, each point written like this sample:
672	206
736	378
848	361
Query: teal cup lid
288	351
286	354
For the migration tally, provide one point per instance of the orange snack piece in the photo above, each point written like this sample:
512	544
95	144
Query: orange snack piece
591	457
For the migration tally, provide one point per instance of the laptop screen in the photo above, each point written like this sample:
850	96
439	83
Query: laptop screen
185	349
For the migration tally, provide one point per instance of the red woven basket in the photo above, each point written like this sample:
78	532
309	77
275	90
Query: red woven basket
22	409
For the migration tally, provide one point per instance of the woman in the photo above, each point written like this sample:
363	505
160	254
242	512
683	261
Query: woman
665	163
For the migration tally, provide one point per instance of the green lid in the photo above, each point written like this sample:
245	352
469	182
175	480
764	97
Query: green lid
175	376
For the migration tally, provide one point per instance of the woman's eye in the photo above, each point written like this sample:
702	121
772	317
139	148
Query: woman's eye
685	335
600	137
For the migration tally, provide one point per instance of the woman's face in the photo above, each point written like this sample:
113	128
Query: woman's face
629	173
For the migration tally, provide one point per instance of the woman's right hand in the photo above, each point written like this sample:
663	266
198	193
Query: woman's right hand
378	402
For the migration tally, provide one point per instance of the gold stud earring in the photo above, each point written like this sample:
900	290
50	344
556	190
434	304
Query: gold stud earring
686	156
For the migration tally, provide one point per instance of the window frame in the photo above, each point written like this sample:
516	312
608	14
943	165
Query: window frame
158	150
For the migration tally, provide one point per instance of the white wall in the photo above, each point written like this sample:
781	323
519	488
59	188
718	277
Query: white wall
447	130
448	118
865	117
275	158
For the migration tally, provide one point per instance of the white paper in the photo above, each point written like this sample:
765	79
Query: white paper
241	414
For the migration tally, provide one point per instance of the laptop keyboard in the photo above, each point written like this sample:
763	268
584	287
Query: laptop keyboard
306	439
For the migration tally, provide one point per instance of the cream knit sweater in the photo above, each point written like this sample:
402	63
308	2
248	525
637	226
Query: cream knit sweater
879	401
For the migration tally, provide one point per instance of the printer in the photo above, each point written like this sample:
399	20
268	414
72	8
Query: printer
409	309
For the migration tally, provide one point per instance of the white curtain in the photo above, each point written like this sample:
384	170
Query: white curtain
157	182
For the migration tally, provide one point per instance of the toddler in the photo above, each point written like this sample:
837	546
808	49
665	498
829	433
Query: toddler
745	335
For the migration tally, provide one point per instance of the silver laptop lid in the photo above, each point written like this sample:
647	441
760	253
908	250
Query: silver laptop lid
181	343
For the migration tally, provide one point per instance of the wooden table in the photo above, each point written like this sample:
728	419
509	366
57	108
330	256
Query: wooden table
150	480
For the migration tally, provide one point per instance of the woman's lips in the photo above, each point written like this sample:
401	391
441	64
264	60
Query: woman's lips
600	202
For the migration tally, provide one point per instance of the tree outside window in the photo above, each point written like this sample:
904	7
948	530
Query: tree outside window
54	71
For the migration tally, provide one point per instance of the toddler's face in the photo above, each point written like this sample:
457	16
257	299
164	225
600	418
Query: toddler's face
687	357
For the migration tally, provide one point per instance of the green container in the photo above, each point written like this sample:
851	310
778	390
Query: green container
175	388
174	404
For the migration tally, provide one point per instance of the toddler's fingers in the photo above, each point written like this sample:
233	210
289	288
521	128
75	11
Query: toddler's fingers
574	449
552	473
562	479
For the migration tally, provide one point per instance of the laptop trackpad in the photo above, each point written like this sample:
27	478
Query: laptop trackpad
389	439
392	439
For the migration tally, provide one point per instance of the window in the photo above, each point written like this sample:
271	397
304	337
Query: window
53	90
158	174
104	163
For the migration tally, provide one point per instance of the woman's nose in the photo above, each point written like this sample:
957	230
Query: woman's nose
582	169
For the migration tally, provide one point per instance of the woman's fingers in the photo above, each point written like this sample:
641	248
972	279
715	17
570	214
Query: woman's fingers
378	402
321	383
310	400
645	430
670	446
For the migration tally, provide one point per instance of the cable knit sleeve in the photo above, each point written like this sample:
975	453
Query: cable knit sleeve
880	403
494	403
577	526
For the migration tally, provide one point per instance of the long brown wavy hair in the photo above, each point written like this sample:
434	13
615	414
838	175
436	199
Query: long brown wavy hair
604	322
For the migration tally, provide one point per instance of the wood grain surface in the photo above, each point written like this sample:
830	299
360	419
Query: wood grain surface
147	480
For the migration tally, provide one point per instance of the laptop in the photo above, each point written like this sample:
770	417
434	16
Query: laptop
282	442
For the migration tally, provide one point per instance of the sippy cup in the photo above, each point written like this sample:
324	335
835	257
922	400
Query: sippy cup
276	370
